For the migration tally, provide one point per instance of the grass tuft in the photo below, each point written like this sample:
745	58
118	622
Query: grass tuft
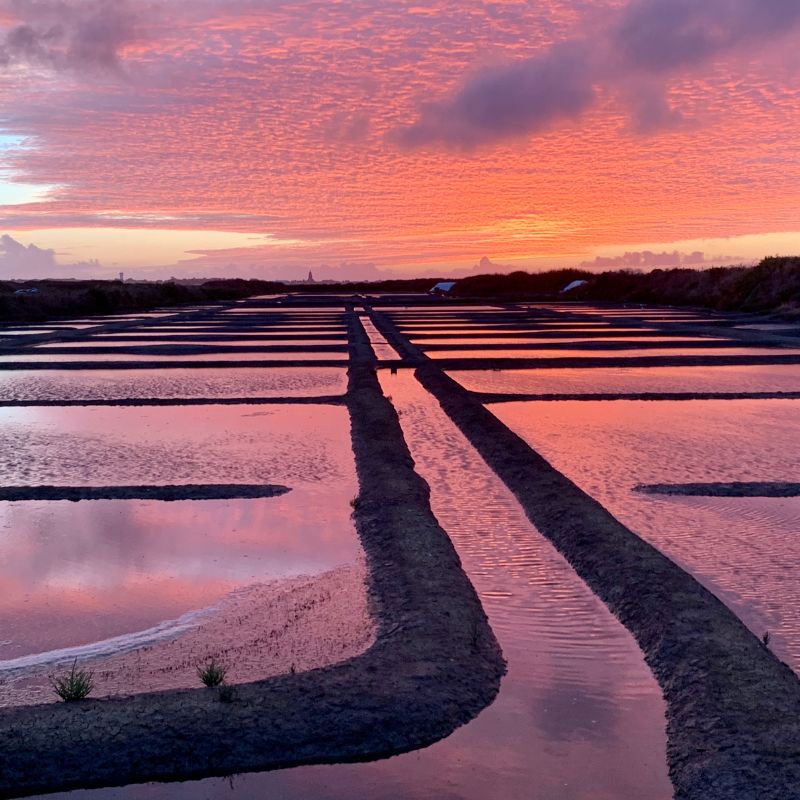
76	685
212	673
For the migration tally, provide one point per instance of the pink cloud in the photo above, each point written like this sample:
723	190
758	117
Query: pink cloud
282	119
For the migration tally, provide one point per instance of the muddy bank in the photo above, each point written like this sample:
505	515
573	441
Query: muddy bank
219	491
434	665
745	489
733	708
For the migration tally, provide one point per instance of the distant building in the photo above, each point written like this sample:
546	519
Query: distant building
443	288
122	277
310	278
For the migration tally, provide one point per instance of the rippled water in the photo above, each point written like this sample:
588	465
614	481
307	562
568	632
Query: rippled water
382	349
549	338
511	329
594	352
28	356
133	341
631	380
169	383
746	550
106	446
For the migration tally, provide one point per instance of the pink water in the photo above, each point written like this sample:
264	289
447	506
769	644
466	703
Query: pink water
101	580
746	550
105	446
29	356
632	380
168	383
133	341
617	353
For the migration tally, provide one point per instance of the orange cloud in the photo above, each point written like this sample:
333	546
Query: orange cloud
280	120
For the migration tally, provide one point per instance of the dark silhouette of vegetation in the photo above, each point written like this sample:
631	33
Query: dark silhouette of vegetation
212	673
74	686
54	299
772	285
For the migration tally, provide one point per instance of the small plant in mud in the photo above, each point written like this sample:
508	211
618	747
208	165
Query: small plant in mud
212	673
766	638
77	684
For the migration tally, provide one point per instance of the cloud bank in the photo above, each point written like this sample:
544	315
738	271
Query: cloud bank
645	44
647	259
20	262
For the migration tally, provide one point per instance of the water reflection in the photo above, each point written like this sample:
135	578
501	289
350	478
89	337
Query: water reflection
578	717
169	382
618	380
291	445
745	550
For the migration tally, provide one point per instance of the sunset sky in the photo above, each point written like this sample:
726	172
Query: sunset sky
362	139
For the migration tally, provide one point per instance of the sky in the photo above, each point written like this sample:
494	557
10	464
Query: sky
383	138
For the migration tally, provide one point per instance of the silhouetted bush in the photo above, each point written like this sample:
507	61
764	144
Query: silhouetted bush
63	299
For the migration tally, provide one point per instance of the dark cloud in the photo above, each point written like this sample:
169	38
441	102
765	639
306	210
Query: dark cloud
84	36
509	102
633	56
665	35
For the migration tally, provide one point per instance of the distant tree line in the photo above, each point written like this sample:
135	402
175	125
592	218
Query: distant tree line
33	301
772	285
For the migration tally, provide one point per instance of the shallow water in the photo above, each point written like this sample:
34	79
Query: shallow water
380	346
772	326
746	550
9	332
578	717
632	380
481	329
29	356
170	383
77	573
109	446
632	352
100	580
545	339
133	341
